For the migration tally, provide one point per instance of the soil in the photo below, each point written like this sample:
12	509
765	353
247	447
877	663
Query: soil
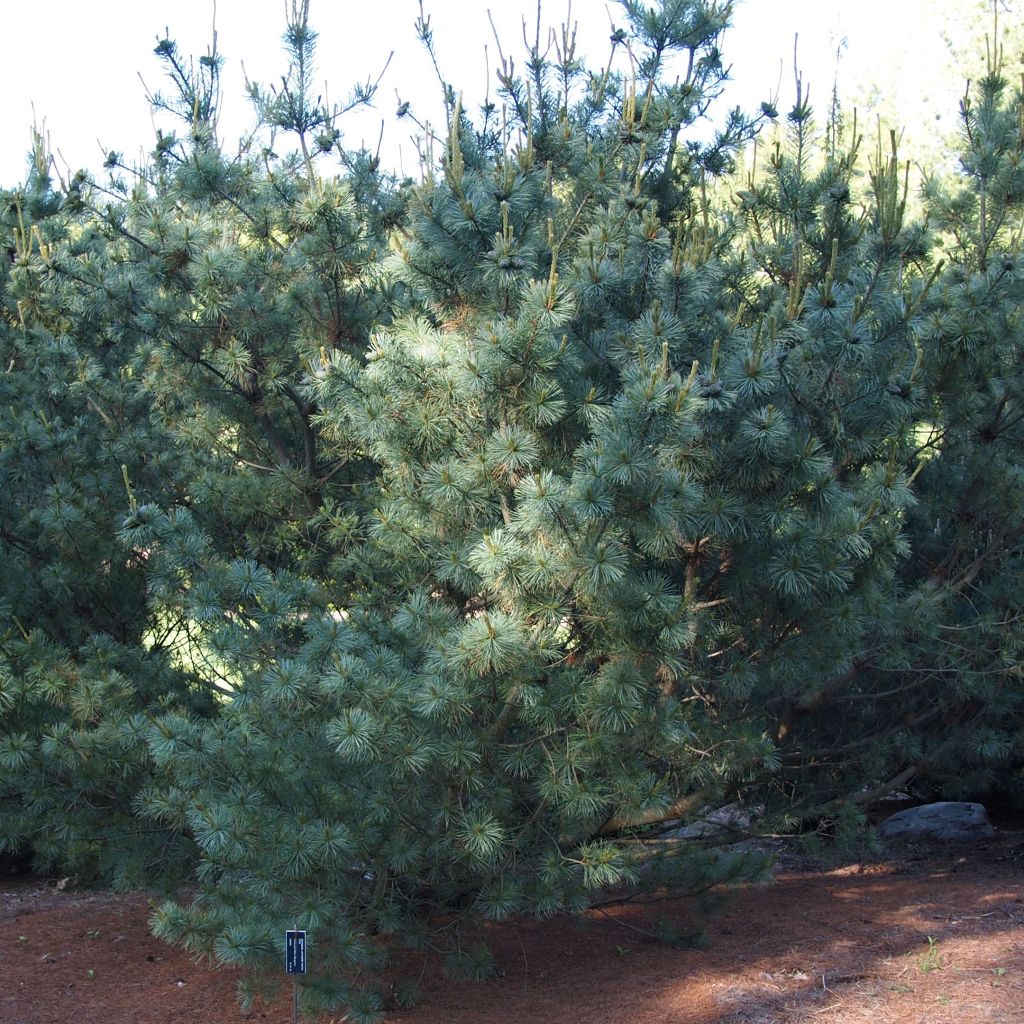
921	936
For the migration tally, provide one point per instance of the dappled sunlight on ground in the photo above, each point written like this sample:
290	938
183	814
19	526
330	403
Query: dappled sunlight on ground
926	939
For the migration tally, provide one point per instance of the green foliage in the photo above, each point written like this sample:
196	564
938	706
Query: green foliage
399	561
77	679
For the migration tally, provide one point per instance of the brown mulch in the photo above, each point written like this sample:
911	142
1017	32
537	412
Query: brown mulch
921	937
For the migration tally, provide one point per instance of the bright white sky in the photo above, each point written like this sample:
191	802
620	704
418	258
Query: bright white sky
79	62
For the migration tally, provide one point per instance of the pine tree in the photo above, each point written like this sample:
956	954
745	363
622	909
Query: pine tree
78	669
470	720
157	327
642	537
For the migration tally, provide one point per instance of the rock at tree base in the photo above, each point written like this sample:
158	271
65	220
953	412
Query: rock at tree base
730	818
948	820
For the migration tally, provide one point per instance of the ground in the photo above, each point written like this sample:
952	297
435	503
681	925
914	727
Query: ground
918	936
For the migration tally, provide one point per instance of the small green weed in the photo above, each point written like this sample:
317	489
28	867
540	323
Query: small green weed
930	961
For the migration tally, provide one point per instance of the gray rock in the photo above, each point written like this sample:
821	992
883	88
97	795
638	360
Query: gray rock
714	821
948	820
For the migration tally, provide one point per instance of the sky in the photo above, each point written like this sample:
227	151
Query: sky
79	68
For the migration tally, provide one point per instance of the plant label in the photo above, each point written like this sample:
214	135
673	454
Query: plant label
295	952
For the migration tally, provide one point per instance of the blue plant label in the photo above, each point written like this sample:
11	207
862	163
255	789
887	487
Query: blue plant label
295	952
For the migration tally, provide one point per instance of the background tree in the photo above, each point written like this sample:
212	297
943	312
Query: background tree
157	328
80	658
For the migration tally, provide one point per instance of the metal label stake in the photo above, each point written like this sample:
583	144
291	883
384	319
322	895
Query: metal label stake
295	964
